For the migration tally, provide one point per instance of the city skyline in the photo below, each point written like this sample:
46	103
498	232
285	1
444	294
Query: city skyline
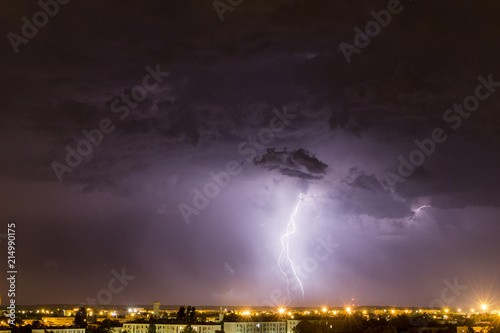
250	153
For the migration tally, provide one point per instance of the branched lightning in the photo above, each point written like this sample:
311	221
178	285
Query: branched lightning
285	251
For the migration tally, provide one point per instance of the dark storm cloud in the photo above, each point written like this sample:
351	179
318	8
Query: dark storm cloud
121	204
298	163
358	179
367	195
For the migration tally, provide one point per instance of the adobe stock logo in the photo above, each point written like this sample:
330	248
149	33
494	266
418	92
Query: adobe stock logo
115	286
221	179
221	7
372	29
308	266
83	151
448	294
452	116
29	30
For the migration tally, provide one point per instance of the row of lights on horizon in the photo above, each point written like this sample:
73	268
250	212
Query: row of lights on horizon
283	311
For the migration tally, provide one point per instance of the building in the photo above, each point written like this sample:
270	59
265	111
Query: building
57	321
156	309
59	330
255	327
118	329
477	329
171	328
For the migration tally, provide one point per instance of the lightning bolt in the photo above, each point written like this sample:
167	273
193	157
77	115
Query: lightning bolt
285	251
422	207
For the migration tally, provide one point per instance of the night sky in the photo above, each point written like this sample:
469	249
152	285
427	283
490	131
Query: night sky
208	120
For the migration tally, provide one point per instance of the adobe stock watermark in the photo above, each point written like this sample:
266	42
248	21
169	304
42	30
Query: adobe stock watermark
372	29
121	106
448	294
228	6
454	116
115	286
40	19
221	179
323	250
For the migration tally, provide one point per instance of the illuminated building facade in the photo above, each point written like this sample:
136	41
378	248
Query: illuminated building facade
255	327
170	328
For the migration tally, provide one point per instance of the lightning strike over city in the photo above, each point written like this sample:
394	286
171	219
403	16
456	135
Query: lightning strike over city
285	252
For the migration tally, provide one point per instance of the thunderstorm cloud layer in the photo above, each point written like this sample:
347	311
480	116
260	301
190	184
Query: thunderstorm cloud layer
156	138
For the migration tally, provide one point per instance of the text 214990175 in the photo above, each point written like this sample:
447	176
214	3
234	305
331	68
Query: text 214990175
11	271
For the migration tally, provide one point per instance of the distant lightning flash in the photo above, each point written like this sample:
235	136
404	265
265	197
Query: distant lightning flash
422	207
285	251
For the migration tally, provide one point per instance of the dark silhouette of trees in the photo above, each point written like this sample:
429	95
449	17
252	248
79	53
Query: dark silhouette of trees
152	328
231	316
351	323
192	315
81	318
304	327
107	325
187	316
181	314
401	322
385	328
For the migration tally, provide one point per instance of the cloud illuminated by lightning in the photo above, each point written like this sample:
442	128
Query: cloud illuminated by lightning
285	251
